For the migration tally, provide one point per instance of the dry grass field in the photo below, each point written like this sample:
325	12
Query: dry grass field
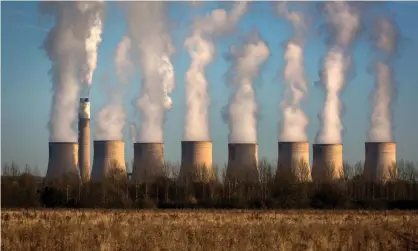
207	230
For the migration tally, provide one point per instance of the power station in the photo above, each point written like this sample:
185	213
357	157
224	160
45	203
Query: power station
243	162
327	163
380	161
196	161
66	158
293	161
63	160
108	158
148	162
84	138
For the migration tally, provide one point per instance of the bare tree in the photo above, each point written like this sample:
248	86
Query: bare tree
36	171
28	169
407	171
14	169
5	170
349	171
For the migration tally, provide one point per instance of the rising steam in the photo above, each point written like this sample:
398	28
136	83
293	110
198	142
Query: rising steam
152	42
343	24
68	46
95	12
111	118
242	107
294	120
201	50
385	40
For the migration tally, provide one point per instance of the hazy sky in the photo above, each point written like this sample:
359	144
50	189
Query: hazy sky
26	85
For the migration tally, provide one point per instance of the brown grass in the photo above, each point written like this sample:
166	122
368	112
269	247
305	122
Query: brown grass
206	230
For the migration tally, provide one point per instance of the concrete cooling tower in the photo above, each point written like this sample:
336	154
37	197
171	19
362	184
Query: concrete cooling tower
84	138
63	160
243	163
327	162
293	161
380	161
108	157
196	161
148	162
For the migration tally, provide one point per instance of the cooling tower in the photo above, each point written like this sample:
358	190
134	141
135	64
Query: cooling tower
196	161
148	162
293	161
63	160
380	161
243	162
84	138
108	157
327	162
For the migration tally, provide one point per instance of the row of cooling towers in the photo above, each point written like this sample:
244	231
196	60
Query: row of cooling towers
196	159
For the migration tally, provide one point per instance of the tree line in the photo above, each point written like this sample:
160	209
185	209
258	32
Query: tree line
26	189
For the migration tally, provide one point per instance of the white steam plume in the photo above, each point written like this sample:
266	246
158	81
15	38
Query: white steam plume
201	50
112	117
123	63
95	11
66	47
294	122
151	40
344	22
242	107
381	128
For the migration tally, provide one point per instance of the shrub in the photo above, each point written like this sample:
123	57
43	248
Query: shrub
329	196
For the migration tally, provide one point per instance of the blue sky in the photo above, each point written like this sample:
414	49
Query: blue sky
26	85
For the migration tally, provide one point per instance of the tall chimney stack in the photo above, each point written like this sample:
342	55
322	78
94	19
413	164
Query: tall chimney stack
380	161
84	138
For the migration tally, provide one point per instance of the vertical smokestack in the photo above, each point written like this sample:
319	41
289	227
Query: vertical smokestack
63	160
380	161
196	161
148	162
327	162
243	162
294	161
84	138
108	158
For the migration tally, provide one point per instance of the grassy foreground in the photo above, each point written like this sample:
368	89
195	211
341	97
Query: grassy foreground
207	230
